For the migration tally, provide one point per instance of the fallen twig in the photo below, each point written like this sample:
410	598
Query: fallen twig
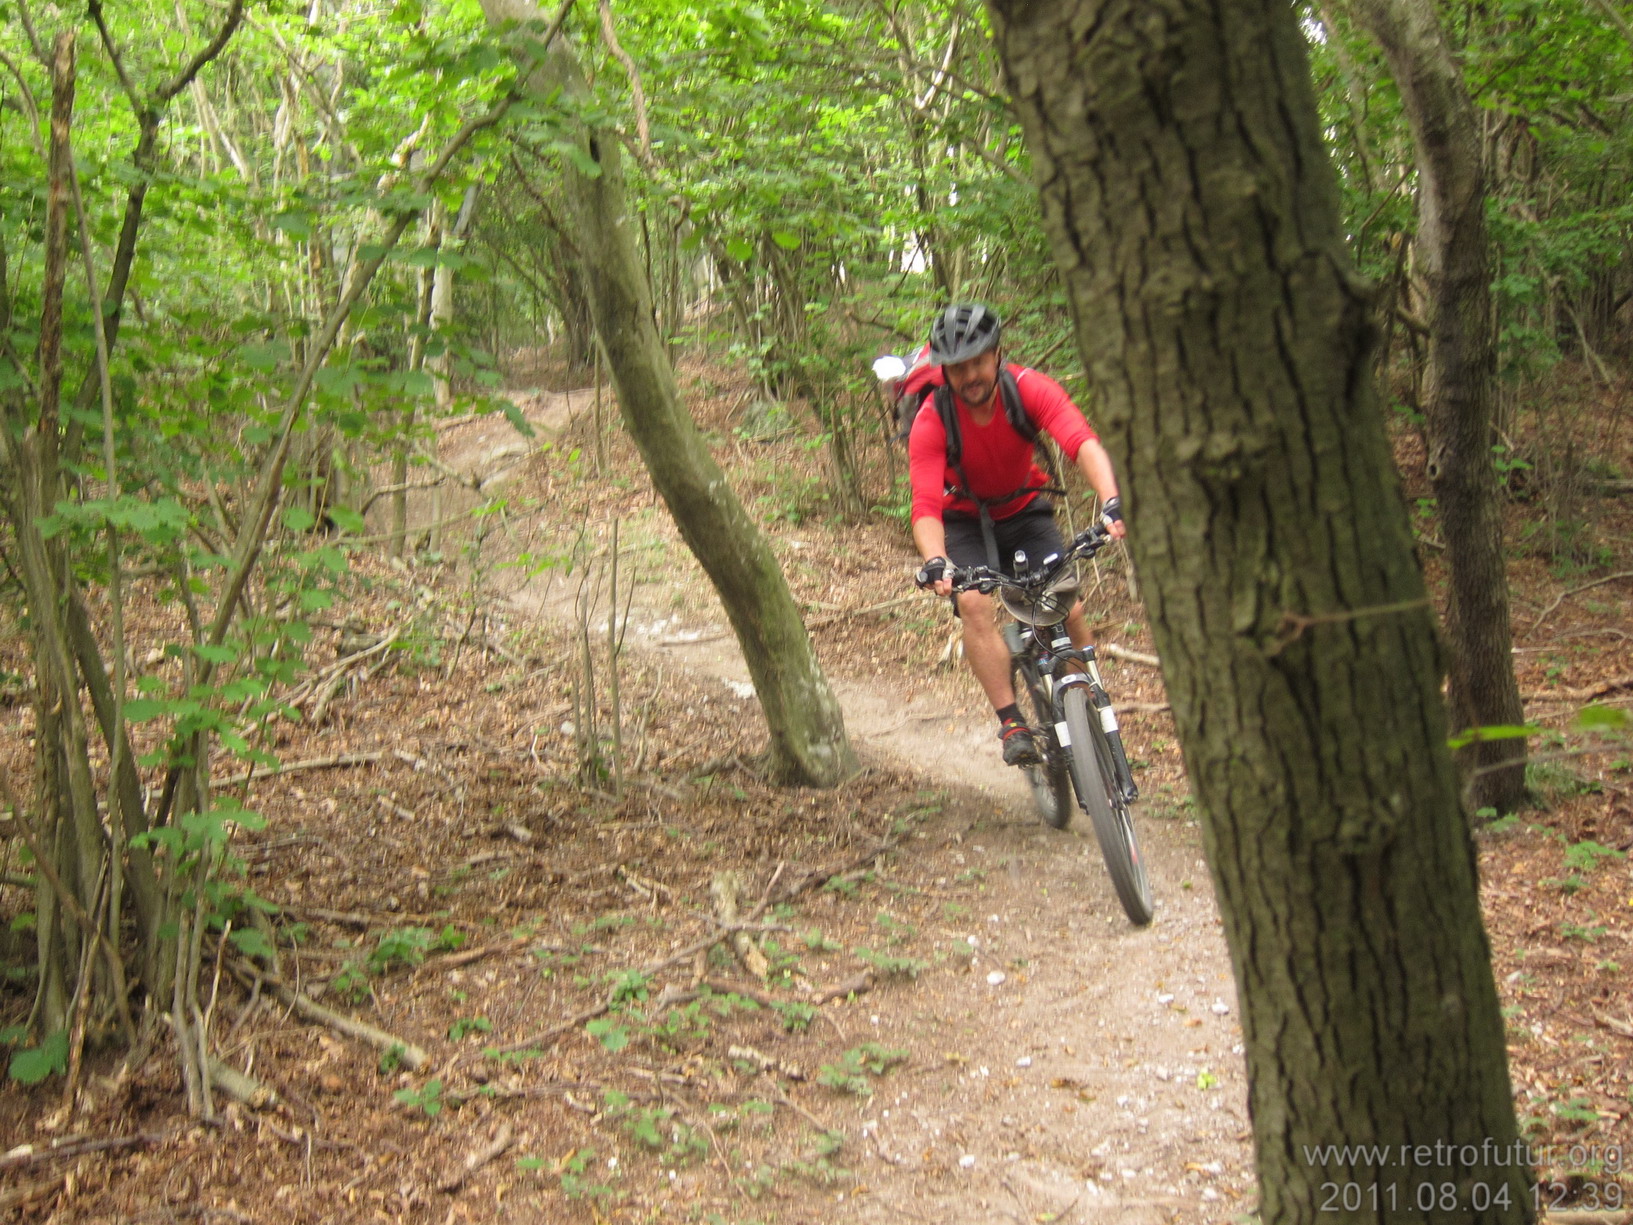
1566	594
31	1192
1586	694
318	763
1614	1024
474	1161
723	890
778	1092
409	1054
1128	656
29	1154
881	606
855	985
241	1088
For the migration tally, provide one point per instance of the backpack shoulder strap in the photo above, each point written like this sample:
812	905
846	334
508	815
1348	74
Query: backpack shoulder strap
1019	419
948	412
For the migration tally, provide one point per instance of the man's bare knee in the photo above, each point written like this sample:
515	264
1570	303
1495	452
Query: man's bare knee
974	609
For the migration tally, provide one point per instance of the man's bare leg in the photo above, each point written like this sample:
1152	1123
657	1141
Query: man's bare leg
985	648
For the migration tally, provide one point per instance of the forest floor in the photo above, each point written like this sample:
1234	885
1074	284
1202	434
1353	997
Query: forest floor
954	1020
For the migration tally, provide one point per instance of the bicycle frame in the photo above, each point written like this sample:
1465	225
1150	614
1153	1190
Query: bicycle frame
1049	656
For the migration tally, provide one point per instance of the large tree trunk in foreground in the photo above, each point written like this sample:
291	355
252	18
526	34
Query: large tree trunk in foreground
1455	262
808	744
1194	215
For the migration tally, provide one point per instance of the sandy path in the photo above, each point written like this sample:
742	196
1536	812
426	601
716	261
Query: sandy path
1082	1070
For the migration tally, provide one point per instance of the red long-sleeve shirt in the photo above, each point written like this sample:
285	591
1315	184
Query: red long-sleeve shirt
996	460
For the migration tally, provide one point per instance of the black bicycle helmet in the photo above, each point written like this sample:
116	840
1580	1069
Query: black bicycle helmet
961	332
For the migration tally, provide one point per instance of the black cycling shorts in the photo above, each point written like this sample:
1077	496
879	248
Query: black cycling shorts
1033	532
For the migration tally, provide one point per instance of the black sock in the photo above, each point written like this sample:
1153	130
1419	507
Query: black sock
1012	711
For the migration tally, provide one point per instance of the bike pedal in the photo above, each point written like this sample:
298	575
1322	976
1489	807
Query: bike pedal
1130	793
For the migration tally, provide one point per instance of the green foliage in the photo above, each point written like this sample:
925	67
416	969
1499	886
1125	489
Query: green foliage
611	1032
658	1129
428	1098
890	965
796	1015
577	1181
850	1074
33	1064
1587	855
463	1027
404	946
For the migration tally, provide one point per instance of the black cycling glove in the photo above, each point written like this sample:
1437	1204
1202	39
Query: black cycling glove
932	572
1112	511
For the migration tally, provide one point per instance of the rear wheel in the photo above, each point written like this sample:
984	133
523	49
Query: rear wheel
1051	782
1097	788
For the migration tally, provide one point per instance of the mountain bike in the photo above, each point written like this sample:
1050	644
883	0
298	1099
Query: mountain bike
1068	711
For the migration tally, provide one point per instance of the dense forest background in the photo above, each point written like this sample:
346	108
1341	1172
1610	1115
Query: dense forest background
252	254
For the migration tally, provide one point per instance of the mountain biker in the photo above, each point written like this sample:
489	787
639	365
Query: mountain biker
981	503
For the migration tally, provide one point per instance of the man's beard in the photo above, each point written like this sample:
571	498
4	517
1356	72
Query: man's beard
976	394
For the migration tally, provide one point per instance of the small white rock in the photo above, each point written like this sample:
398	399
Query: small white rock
1165	997
1220	1008
967	1161
996	978
1209	1194
1025	1061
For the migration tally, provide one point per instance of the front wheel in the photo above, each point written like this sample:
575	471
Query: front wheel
1051	782
1102	798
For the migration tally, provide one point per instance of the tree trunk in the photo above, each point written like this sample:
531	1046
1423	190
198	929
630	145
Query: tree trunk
808	744
1455	262
1195	218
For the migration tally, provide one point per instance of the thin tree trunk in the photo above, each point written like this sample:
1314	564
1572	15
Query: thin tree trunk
808	743
1455	262
1194	216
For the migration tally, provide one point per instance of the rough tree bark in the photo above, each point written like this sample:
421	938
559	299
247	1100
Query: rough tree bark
1455	262
1194	215
808	744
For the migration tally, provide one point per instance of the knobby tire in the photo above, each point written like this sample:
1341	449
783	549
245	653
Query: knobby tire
1051	782
1102	798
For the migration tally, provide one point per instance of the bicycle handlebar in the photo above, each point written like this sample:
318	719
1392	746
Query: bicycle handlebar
986	580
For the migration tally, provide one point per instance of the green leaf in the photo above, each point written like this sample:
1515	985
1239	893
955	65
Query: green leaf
1602	718
295	224
739	249
581	160
785	240
614	1037
140	710
1473	735
250	942
346	519
212	654
517	419
32	1066
298	518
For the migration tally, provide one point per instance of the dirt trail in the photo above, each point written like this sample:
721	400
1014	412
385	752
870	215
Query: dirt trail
1082	1069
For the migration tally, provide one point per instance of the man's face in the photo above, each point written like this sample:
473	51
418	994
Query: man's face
973	381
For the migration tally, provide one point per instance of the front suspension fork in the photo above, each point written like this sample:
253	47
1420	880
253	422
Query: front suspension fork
1108	723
